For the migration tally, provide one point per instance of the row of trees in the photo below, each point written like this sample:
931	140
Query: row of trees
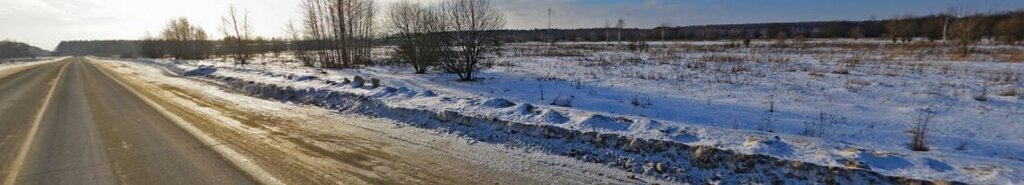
998	26
180	39
184	40
1008	27
337	33
454	35
11	49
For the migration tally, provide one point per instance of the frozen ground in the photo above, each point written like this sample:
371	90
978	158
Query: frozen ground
835	103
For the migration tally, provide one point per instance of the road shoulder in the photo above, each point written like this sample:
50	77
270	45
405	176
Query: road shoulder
326	146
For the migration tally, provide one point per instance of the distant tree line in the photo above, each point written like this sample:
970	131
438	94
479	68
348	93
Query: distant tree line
156	48
999	26
454	36
12	49
98	48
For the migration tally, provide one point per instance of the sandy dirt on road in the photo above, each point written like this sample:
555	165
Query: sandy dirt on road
296	148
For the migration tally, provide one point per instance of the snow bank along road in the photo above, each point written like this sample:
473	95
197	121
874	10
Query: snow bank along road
83	121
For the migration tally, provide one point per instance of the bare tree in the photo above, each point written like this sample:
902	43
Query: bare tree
340	32
950	14
665	26
470	24
619	26
296	43
238	35
186	41
419	32
966	32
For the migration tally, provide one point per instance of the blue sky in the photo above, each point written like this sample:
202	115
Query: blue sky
650	13
45	23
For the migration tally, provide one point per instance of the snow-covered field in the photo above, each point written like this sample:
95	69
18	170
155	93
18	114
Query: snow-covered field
834	103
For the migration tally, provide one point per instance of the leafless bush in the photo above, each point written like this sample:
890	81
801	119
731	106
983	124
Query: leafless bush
184	40
339	33
470	24
966	32
821	126
419	31
238	35
641	102
920	128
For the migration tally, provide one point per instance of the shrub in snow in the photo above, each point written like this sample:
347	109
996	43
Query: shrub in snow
640	101
920	128
820	127
374	83
357	82
498	103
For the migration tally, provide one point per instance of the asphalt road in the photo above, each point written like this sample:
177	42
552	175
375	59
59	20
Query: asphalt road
67	122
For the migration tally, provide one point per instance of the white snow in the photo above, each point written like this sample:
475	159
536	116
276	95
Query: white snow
20	63
827	102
